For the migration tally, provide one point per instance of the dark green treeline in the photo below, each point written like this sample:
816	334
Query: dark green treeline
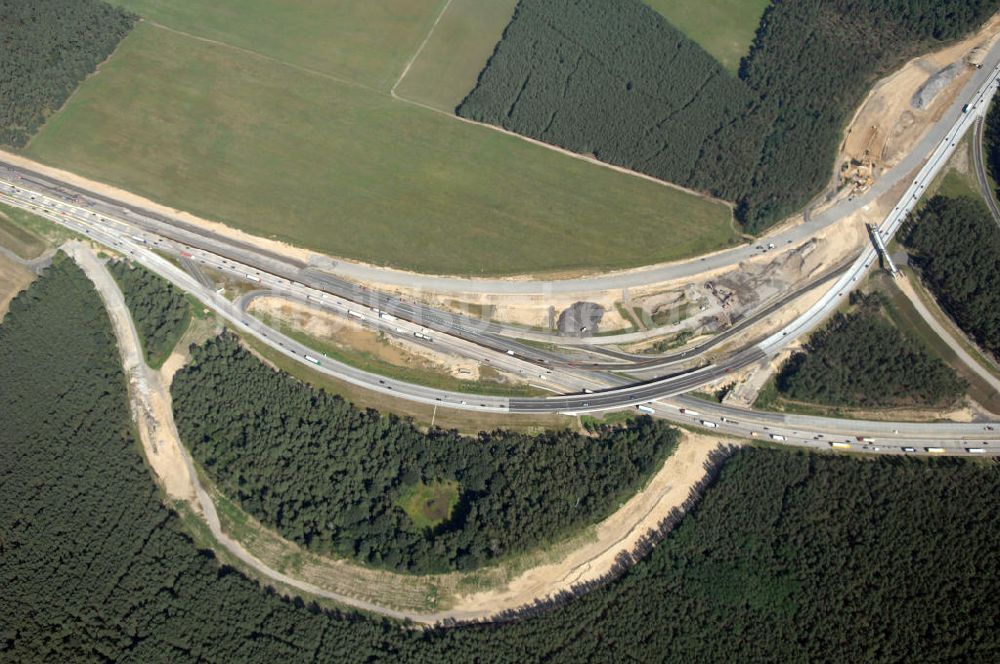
616	80
329	475
788	557
160	311
46	48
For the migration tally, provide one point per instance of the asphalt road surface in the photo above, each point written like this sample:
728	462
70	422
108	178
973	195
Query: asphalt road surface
136	240
984	181
950	437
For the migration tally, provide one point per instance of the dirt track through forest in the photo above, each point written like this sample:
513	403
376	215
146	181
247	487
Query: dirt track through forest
587	557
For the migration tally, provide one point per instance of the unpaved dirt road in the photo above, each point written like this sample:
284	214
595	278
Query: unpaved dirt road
946	335
668	489
148	400
590	556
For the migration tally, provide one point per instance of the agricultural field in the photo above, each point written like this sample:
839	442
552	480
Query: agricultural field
622	83
15	236
724	28
352	172
48	48
14	278
366	42
448	65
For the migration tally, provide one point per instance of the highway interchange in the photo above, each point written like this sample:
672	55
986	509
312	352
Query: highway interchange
583	387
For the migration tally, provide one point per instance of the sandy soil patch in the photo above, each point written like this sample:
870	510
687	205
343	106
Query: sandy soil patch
199	331
351	336
887	123
668	489
150	402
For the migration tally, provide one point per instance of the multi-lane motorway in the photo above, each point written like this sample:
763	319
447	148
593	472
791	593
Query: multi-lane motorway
603	392
142	237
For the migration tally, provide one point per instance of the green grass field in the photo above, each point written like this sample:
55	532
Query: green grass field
429	505
342	169
14	233
957	185
952	182
448	67
724	28
367	41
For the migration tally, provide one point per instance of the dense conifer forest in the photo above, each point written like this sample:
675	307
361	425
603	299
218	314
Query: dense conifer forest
956	246
991	141
788	557
616	80
46	48
330	476
160	311
861	359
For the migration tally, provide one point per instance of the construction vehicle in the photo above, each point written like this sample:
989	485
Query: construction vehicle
861	175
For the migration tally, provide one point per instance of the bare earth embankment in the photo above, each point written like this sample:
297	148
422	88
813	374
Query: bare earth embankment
587	557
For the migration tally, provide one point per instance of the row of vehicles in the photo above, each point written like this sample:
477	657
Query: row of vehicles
867	443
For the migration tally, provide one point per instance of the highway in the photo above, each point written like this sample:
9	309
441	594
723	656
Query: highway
808	432
346	271
974	107
623	362
690	268
140	240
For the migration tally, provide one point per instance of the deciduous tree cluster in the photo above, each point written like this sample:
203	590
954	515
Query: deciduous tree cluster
616	80
329	475
46	48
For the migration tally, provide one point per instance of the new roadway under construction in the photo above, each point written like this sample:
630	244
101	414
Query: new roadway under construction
584	387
